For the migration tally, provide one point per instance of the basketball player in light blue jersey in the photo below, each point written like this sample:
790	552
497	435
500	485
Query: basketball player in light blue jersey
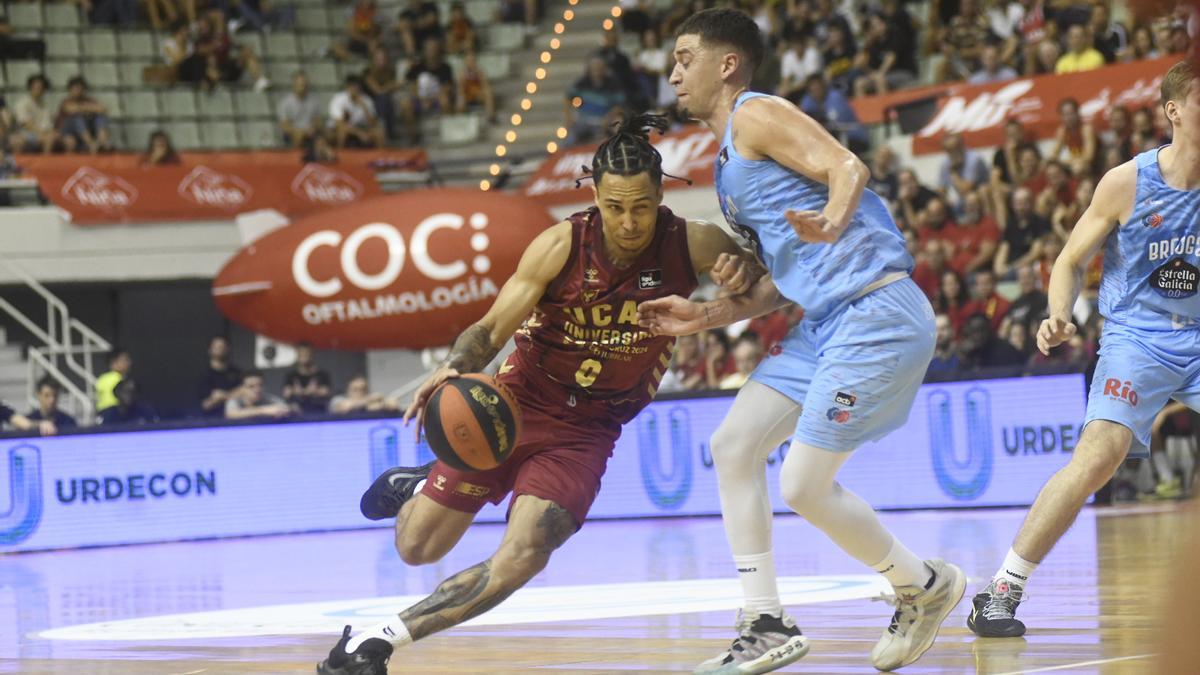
846	375
1146	213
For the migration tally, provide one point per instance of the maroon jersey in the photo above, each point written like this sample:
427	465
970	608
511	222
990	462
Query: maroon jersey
583	333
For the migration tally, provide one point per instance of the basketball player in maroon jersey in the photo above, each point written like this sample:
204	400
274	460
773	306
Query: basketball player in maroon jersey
582	368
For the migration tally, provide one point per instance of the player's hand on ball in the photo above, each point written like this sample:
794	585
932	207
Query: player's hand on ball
811	226
733	273
1053	332
421	397
671	315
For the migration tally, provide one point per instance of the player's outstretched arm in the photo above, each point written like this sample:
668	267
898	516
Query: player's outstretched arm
775	128
674	315
1112	203
715	253
479	344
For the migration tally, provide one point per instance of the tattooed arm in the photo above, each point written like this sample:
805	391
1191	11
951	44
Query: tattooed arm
480	343
536	527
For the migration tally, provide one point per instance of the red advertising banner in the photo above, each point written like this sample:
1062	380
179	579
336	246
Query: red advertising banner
405	271
980	111
208	186
688	153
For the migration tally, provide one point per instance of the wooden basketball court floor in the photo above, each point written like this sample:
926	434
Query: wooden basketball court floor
633	596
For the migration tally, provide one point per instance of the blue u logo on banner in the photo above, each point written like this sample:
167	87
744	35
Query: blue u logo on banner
25	479
385	449
963	479
669	488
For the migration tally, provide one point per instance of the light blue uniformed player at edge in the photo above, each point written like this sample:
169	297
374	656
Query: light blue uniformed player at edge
1146	213
846	375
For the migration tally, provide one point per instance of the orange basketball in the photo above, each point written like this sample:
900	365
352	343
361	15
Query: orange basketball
472	423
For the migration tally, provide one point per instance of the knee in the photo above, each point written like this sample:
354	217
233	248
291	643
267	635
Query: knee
515	564
1101	450
800	492
417	550
731	448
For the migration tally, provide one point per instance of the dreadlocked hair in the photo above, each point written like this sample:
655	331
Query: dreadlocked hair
628	151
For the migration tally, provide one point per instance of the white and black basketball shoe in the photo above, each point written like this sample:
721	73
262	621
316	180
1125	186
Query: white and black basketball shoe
389	492
762	645
370	658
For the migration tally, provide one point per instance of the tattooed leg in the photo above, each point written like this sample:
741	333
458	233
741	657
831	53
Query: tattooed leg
536	528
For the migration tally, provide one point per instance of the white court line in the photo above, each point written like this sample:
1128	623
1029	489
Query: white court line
1081	663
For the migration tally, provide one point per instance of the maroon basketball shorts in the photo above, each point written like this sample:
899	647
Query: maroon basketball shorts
560	455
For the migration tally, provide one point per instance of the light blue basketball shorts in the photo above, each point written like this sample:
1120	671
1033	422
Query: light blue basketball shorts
857	372
1138	372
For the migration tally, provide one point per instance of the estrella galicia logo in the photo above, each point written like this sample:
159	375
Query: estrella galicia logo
667	487
25	510
961	477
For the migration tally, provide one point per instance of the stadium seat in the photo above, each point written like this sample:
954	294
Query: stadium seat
131	73
253	104
137	135
25	16
218	103
112	101
312	19
142	105
58	72
177	104
260	134
102	75
101	44
62	45
458	129
495	66
137	44
219	135
282	46
505	36
482	12
255	42
19	72
62	16
280	72
323	76
185	135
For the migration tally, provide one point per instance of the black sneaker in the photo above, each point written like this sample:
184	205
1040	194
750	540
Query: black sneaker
994	609
389	492
371	658
763	644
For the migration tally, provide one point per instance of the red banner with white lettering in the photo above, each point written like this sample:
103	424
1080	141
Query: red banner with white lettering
207	186
688	153
979	112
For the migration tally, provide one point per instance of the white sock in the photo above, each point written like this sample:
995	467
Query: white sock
902	567
1015	568
759	588
393	631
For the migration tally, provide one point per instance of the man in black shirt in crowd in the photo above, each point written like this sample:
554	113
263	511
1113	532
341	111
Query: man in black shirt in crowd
128	410
220	380
1022	229
1030	307
10	416
47	410
307	386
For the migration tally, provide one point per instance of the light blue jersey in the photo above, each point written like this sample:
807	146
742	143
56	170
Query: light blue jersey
1151	262
820	277
856	361
1150	348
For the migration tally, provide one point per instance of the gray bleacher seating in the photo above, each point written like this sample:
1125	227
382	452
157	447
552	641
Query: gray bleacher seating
25	16
185	135
137	134
219	135
62	45
312	19
459	129
58	72
63	15
282	45
131	73
140	105
216	104
179	103
323	75
260	134
253	104
112	101
505	36
19	72
137	44
99	44
102	75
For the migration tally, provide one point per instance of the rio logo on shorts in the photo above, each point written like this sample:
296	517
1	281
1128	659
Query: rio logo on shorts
25	510
1122	391
667	489
968	478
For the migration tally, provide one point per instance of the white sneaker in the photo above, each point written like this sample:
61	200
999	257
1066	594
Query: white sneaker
762	645
919	614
